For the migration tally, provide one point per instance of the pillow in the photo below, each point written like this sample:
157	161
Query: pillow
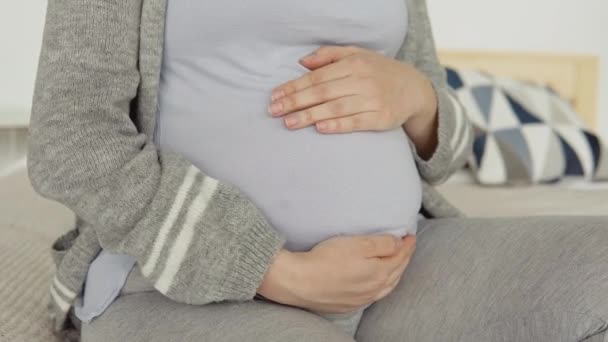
525	133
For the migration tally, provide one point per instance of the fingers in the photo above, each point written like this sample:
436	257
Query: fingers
343	107
363	121
400	261
407	251
409	243
378	246
388	289
385	292
325	74
396	274
327	55
321	93
391	283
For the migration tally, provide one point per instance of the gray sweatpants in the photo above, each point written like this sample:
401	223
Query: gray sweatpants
511	280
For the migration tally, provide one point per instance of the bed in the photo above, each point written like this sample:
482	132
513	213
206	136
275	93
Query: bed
575	78
28	223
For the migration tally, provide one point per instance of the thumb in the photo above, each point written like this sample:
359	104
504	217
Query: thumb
326	55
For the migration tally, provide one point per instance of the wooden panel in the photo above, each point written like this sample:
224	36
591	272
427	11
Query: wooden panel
575	77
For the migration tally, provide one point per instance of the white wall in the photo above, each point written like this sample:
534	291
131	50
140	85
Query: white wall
528	25
21	24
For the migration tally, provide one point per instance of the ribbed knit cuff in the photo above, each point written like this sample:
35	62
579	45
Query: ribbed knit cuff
258	247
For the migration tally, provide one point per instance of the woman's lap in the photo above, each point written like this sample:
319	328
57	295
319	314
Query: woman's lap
533	279
151	317
529	279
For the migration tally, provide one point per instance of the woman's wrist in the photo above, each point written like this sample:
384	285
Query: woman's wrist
283	278
422	127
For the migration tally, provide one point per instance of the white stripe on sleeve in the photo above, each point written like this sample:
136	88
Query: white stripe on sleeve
176	207
459	122
463	143
63	305
182	242
63	289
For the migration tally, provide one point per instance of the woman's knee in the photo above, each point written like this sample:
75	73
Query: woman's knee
530	277
555	325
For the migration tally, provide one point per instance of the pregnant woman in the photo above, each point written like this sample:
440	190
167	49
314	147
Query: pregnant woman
256	171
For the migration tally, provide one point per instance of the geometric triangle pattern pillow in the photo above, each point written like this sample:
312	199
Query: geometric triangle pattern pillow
525	133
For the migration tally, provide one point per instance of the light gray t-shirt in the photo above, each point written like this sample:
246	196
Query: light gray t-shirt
221	61
216	82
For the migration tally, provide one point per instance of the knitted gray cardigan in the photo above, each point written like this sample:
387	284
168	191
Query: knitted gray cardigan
196	239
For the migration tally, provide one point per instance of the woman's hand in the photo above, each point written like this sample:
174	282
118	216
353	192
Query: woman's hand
339	275
353	89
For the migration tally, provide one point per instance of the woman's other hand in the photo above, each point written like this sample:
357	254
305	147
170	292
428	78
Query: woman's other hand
339	275
352	89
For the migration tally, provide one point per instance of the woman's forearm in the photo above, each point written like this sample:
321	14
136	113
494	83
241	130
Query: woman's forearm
422	128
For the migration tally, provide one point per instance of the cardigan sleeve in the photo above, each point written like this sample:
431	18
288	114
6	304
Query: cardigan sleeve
455	134
197	239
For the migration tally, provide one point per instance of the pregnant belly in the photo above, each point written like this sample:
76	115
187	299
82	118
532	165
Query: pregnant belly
310	186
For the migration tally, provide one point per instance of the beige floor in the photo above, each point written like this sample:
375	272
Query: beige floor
28	224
